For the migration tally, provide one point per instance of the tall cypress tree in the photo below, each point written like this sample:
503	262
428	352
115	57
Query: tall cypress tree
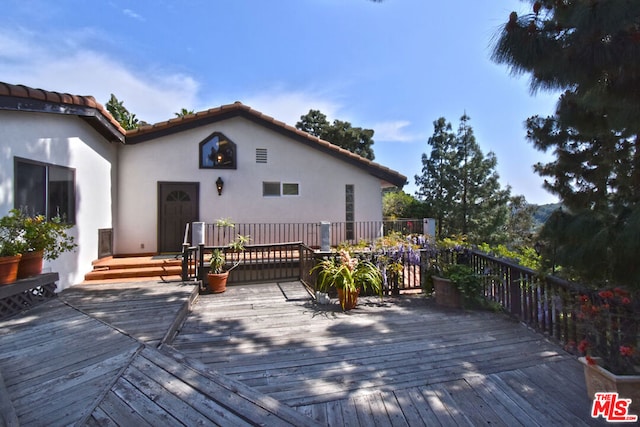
437	186
590	50
460	186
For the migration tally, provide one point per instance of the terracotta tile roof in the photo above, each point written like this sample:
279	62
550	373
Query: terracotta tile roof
86	107
179	124
62	103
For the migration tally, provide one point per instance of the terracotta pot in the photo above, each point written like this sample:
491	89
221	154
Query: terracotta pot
447	294
599	379
9	269
348	300
217	283
30	264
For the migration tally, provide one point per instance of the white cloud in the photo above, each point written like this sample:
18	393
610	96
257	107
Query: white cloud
152	95
288	106
131	14
393	131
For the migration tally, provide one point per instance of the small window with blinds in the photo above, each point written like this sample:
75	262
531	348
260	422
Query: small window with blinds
261	155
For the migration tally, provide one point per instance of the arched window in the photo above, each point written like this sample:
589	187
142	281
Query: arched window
178	196
217	152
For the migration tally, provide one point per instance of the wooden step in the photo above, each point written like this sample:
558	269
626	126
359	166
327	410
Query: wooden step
134	268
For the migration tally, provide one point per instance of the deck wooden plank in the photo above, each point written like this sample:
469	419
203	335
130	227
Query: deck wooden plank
113	411
416	411
129	307
230	394
144	406
509	412
544	411
53	379
394	410
439	409
177	399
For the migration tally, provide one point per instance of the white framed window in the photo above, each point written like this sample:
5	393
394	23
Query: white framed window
290	189
271	189
277	189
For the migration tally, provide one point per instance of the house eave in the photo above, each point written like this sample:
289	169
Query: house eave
148	133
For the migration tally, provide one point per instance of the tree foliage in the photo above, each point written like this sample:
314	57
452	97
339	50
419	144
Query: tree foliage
184	112
398	204
343	134
590	50
459	185
119	112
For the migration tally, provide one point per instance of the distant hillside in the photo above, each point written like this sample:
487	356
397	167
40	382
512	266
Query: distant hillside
543	212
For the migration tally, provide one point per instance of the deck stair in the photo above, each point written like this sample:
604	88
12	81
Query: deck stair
137	267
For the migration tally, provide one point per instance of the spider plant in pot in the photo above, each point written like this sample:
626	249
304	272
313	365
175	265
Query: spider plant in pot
348	276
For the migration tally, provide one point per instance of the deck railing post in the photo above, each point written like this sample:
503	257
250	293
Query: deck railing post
200	263
515	292
185	262
325	236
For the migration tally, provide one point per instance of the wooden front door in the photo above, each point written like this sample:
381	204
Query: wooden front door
178	205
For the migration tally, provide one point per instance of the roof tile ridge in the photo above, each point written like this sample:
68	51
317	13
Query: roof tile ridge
23	91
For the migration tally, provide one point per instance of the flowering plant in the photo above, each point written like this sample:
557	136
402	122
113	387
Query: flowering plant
349	273
392	252
21	233
607	323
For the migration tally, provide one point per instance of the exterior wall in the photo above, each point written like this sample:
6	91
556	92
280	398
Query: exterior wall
175	158
64	141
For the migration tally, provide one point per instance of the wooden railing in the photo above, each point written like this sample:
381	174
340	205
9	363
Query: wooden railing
546	303
294	261
309	233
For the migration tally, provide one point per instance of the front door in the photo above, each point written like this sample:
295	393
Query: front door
178	206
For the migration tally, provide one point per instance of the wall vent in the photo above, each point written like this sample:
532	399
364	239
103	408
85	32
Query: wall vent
261	155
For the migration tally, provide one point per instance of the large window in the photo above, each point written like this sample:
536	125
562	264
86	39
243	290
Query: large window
44	189
217	152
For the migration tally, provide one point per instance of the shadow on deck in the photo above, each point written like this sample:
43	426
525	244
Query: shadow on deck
124	354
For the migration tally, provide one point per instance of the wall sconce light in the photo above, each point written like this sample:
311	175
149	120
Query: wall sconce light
219	185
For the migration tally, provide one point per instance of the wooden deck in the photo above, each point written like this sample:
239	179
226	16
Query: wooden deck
120	354
400	361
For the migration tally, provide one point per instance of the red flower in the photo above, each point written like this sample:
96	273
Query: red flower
626	351
621	292
605	294
626	301
583	346
591	360
584	298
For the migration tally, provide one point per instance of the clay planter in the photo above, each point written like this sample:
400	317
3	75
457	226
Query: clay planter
599	379
447	294
30	264
9	269
217	283
348	300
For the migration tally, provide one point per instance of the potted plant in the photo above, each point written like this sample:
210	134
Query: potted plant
458	286
217	276
10	248
607	323
455	283
42	239
349	276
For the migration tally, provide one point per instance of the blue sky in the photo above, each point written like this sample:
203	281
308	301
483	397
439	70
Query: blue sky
394	67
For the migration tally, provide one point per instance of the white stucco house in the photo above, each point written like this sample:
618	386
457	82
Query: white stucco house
133	192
